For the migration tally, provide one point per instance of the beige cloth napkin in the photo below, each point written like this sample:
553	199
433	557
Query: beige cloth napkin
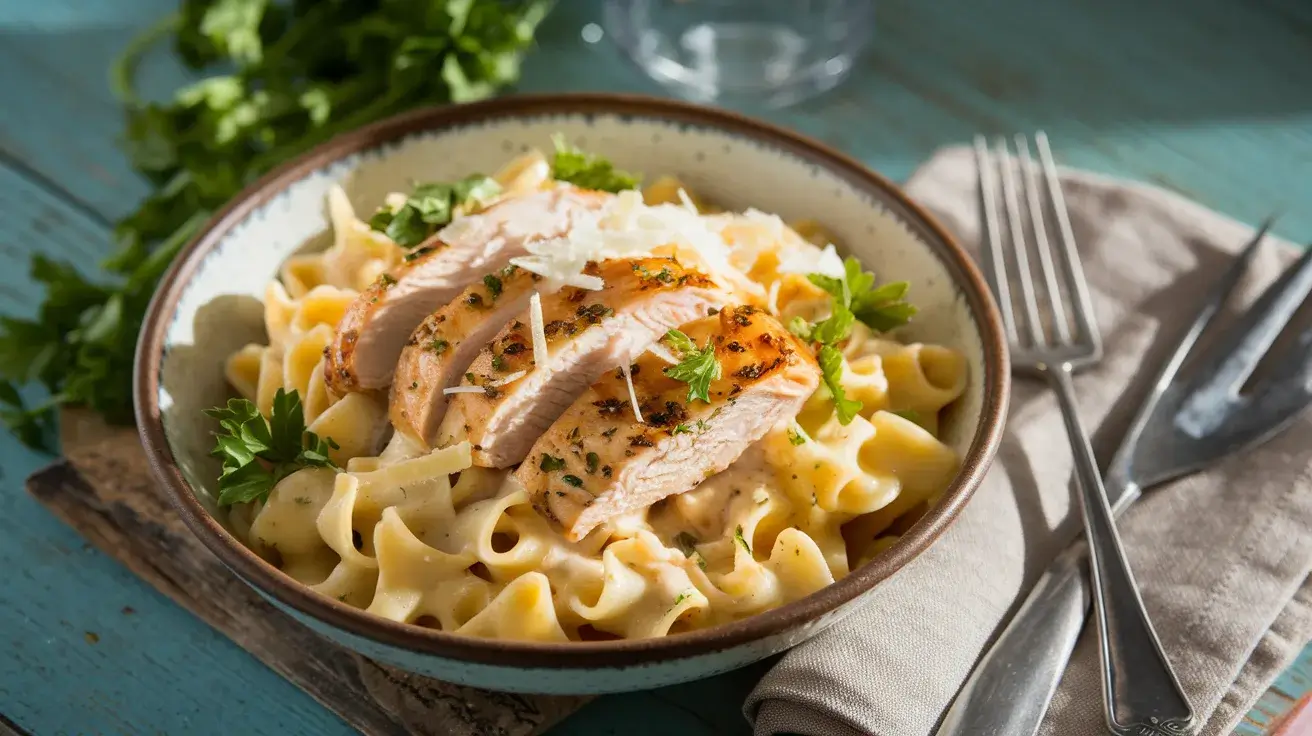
1223	557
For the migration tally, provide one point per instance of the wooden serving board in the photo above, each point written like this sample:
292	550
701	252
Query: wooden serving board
104	489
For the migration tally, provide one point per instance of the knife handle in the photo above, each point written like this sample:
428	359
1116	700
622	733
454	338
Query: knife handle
1009	690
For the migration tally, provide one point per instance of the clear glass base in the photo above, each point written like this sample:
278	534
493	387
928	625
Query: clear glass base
741	52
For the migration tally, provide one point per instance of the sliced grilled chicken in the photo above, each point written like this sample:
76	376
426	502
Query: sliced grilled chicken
375	328
597	461
446	342
587	334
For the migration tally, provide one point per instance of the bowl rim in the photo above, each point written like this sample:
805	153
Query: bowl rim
287	592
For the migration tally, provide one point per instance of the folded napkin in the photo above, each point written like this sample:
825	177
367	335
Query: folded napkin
1223	557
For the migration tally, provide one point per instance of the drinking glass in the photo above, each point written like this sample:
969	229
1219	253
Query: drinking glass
743	52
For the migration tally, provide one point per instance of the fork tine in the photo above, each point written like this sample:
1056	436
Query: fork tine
1016	228
1041	241
1084	315
989	203
1228	365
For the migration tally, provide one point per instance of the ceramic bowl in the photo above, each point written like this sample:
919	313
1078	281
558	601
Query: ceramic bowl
207	306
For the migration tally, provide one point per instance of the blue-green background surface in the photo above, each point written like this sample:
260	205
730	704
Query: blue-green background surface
1212	98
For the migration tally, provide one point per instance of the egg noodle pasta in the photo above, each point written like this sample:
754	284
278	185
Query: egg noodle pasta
427	537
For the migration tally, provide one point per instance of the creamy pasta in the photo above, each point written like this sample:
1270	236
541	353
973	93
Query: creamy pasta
425	536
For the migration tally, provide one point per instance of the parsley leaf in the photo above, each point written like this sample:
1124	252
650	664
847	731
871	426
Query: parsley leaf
278	79
551	463
801	328
588	170
429	207
854	297
796	438
831	368
696	367
881	308
257	453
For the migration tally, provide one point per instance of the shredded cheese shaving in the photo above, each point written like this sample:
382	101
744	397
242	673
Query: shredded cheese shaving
687	201
539	332
633	395
508	379
804	261
662	352
628	228
772	299
463	390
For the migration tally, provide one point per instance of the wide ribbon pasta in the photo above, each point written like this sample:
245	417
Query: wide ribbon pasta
423	537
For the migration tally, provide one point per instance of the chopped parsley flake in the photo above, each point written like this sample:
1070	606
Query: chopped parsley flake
573	480
493	285
551	463
593	460
738	535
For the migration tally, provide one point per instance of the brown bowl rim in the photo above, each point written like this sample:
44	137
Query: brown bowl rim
572	655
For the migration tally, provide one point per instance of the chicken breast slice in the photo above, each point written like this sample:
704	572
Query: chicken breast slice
588	333
372	333
440	350
598	462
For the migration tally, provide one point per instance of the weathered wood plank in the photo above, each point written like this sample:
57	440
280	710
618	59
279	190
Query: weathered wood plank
88	645
104	490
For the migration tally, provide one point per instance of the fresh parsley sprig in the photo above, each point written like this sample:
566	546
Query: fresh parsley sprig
854	297
429	207
697	367
588	170
257	453
881	308
285	77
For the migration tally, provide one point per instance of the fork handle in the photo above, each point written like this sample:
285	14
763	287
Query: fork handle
1142	695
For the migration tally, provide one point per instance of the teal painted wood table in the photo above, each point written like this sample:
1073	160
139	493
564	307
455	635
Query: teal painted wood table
1212	98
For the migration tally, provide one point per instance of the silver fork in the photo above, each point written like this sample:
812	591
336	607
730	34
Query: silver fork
1189	420
1139	687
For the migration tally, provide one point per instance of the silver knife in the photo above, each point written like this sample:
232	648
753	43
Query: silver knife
1010	689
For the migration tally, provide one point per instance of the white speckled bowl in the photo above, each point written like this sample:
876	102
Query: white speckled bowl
207	307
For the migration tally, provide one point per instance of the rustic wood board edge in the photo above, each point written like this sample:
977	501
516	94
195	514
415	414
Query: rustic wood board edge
105	491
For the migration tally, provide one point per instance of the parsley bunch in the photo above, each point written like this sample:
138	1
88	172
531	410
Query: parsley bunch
287	76
257	453
429	207
588	170
697	367
854	297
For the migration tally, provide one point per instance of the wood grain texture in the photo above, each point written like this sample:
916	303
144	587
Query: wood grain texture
104	490
1214	100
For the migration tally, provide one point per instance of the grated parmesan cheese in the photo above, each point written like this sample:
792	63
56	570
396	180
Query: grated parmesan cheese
508	379
804	261
633	395
539	332
772	299
687	201
463	390
660	351
628	228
